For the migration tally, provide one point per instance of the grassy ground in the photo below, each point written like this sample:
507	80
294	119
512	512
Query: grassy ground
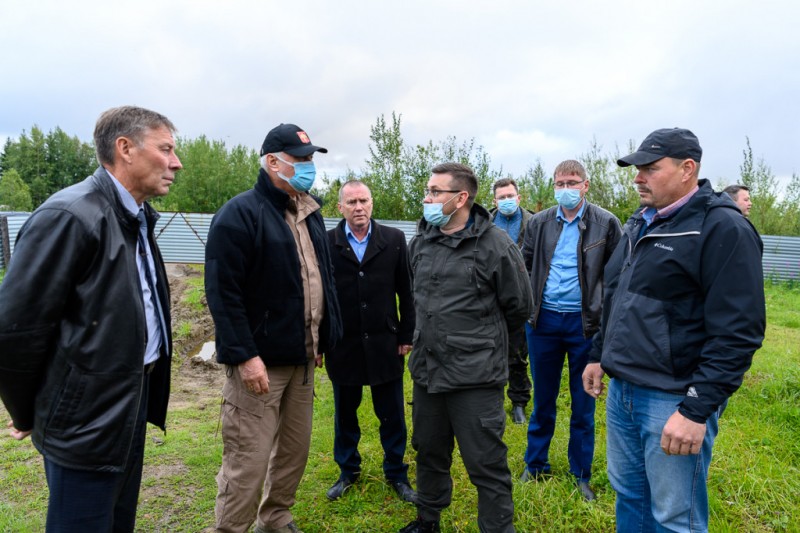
754	485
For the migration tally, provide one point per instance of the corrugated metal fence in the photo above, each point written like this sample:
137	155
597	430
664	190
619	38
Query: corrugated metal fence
182	239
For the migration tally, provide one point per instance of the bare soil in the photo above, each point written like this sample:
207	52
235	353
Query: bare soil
193	384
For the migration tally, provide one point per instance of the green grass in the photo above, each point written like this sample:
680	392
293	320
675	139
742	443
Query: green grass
754	479
194	297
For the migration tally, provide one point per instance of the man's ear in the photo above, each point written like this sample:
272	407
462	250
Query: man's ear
124	146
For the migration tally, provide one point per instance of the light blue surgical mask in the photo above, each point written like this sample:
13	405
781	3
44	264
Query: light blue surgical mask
433	213
568	198
304	174
507	206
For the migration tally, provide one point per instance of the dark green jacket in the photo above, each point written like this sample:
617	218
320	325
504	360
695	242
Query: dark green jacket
470	289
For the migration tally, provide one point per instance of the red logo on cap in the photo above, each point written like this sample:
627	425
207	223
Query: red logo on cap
303	137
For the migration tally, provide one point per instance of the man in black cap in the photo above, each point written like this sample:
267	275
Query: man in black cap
674	338
271	292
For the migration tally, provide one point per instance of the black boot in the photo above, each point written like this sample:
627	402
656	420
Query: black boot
422	526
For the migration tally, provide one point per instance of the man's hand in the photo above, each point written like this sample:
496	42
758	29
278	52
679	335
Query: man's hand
254	375
15	433
318	360
403	349
593	380
682	436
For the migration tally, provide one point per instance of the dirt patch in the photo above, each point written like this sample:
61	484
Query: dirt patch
193	385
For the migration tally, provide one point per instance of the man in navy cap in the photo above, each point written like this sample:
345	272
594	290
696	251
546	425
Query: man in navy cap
674	338
271	292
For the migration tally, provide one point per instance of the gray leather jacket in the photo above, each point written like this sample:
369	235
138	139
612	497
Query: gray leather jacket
600	232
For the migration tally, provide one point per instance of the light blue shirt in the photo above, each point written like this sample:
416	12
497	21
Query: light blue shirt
359	247
562	291
151	314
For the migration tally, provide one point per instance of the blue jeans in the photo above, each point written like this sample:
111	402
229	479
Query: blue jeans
558	335
655	491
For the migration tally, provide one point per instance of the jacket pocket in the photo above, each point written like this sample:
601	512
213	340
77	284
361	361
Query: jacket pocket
471	361
392	325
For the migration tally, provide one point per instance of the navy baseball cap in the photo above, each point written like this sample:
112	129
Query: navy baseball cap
677	143
290	139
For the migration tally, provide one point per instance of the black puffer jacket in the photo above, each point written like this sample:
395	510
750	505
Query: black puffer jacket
72	328
684	305
253	283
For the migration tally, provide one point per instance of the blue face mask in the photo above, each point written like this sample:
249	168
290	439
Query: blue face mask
508	206
568	198
433	213
304	174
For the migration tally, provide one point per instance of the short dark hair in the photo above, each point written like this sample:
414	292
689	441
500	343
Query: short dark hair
462	178
570	167
125	121
504	182
733	190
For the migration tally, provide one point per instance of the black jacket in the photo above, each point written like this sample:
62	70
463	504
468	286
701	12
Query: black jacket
72	328
684	305
253	283
599	235
368	295
470	290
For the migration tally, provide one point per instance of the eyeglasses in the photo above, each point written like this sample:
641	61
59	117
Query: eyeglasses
569	184
434	193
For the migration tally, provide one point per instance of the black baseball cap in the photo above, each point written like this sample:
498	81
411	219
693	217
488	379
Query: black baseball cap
290	139
677	143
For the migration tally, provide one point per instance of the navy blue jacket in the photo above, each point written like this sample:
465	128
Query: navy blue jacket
253	284
683	309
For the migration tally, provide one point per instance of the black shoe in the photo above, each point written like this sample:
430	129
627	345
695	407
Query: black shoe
421	526
518	414
586	491
339	488
527	475
404	491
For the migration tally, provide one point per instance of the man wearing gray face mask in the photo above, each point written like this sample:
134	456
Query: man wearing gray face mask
566	248
270	290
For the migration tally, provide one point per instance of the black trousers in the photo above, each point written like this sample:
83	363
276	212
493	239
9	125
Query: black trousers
476	419
387	401
519	384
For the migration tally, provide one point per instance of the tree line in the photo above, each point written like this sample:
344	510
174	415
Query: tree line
37	164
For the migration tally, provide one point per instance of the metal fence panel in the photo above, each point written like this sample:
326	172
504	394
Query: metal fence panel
182	237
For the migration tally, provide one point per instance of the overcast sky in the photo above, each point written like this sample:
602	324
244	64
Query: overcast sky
527	80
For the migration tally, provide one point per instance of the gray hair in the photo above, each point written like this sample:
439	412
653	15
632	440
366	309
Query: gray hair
125	121
350	183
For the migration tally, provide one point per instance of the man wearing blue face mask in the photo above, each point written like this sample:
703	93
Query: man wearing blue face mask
470	289
566	248
271	292
512	218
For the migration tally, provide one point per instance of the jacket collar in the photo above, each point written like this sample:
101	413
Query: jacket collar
376	242
106	186
266	188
